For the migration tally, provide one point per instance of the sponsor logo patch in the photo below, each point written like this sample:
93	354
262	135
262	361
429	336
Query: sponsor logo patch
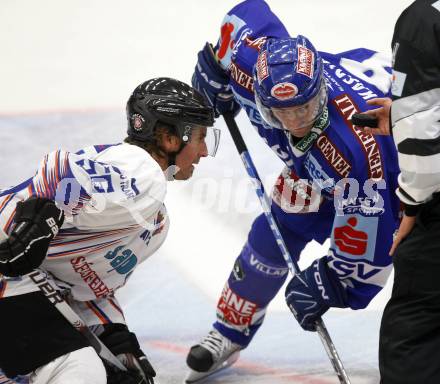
333	156
46	287
255	44
234	309
349	240
365	206
319	176
262	69
267	269
232	32
226	40
323	121
306	142
284	91
90	277
138	122
122	260
359	270
306	61
241	77
346	107
354	236
238	271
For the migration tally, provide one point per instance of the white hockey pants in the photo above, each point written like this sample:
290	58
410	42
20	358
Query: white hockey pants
79	367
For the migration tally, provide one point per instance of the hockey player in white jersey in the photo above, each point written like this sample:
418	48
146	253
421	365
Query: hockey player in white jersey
86	220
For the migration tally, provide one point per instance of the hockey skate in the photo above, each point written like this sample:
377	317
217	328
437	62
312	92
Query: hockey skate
214	353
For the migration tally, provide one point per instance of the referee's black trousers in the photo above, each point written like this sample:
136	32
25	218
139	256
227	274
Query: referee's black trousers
409	345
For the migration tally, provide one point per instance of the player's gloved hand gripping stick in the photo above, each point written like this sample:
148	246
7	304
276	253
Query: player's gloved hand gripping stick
292	265
40	280
125	346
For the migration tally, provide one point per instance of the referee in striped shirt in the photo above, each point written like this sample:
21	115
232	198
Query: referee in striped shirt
409	346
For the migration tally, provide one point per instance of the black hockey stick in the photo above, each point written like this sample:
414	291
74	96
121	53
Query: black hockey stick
292	264
50	291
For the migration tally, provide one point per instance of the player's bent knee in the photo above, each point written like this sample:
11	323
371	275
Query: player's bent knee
260	264
82	366
86	367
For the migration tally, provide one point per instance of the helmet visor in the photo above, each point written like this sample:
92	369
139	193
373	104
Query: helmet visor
212	140
295	117
209	137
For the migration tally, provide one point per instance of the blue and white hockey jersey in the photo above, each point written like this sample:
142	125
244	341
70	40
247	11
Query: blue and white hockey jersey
311	197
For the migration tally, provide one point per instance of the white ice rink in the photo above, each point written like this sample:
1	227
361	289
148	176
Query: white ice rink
66	71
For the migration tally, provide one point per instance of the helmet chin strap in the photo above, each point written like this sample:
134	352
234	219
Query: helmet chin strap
172	167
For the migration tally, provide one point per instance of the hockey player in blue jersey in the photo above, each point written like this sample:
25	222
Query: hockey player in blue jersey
86	220
338	181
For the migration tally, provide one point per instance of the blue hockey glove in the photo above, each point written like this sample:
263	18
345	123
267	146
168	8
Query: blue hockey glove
212	81
312	292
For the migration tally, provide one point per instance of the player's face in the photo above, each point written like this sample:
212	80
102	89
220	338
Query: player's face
295	119
298	120
191	154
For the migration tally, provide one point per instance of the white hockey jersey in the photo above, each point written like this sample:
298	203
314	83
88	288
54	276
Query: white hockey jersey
113	199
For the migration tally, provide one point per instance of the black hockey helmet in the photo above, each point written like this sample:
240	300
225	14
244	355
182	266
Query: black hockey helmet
170	101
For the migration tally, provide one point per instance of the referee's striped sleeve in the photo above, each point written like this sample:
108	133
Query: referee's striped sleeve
416	131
